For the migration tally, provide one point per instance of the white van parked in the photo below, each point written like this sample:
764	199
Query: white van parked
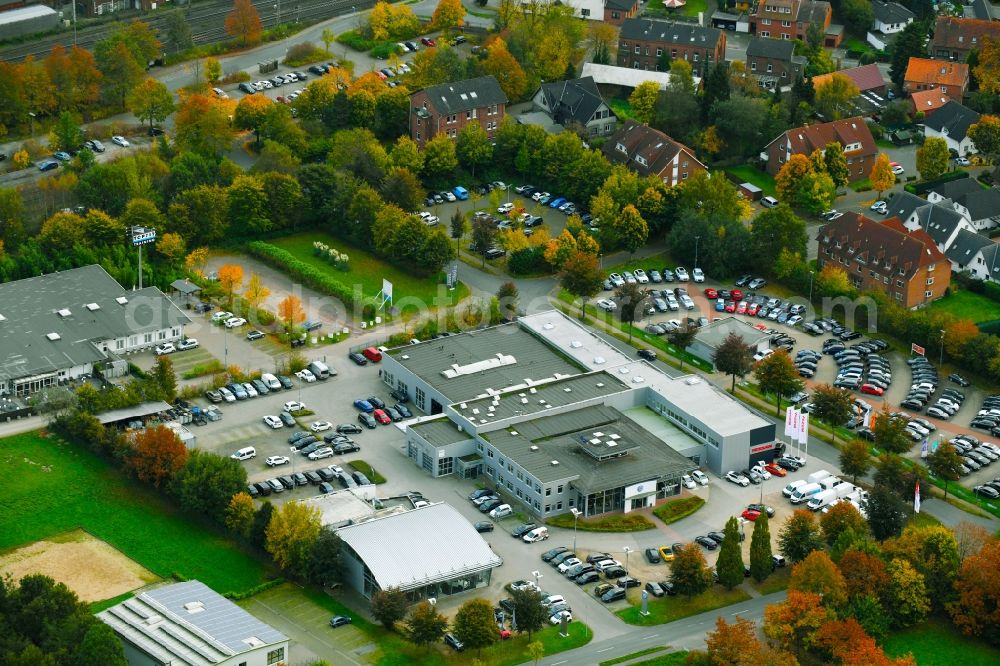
537	534
792	487
818	475
804	493
246	453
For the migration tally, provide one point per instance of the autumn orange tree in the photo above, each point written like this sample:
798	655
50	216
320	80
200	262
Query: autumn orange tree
863	573
256	292
737	644
957	336
203	124
251	113
794	622
976	610
76	81
882	178
230	279
505	68
290	311
845	642
818	574
448	14
243	23
156	455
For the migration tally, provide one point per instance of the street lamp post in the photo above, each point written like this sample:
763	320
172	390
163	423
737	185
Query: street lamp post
627	551
941	359
696	239
576	514
537	575
811	273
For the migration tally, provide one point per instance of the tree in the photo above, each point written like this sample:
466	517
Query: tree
536	650
882	178
761	562
196	260
531	614
836	163
890	433
833	98
643	100
799	536
473	147
855	459
293	530
971	539
440	160
932	158
794	622
976	610
66	133
483	236
733	357
325	560
945	463
251	112
203	124
240	514
156	455
507	295
689	572
629	229
230	280
841	518
832	406
213	71
833	281
171	247
290	312
243	23
911	42
818	574
682	338
101	645
389	606
559	249
426	625
774	230
863	573
777	374
164	378
890	471
629	298
985	134
258	533
448	14
729	566
121	72
986	68
582	277
178	31
906	595
474	624
255	292
207	482
886	514
858	14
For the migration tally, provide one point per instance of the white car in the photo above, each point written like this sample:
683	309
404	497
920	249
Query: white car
306	376
320	426
760	471
794	320
698	275
165	348
738	479
450	196
898	169
274	422
222	316
320	453
607	305
226	394
520	585
568	563
682	274
235	322
762	354
274	461
688	482
538	195
557	618
629	277
505	208
641	277
120	140
880	207
687	302
293	406
616	279
250	389
187	343
700	477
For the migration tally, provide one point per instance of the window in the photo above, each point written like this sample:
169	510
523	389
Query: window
899	296
615	15
637	51
766	21
659	52
489	453
886	279
928	294
274	656
520	495
765	33
753	66
931	268
696	57
548	492
584	12
899	283
446	466
558	506
620	147
786	24
420	398
548	507
930	280
770	68
520	476
559	490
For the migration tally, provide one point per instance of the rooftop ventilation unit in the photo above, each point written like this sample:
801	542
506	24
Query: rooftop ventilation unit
64	312
548	326
194	607
623	371
555	462
599	360
52	336
461	405
405	357
153	619
567	390
532	390
637	380
533	447
524	401
2	318
513	432
121	300
576	344
600	384
92	306
691	381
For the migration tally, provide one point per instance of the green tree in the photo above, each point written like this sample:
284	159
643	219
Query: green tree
729	566
531	614
733	357
682	337
425	626
799	536
777	374
250	113
325	561
643	100
151	101
833	98
890	471
774	230
164	378
761	562
473	147
212	70
629	298
945	463
832	406
836	163
507	295
178	31
842	517
328	36
207	482
258	533
483	236
536	650
689	572
101	645
120	69
986	135
474	624
66	133
291	534
886	512
890	433
932	158
911	42
440	160
855	459
858	14
906	595
582	277
389	606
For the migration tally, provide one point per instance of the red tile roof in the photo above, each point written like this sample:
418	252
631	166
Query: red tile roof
867	77
963	34
804	140
887	242
928	101
937	72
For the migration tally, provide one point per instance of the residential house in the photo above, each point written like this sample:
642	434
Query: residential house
951	122
648	151
885	256
617	11
951	78
928	101
773	62
447	108
868	79
788	20
977	255
978	205
954	38
576	102
643	42
939	219
890	18
983	9
851	133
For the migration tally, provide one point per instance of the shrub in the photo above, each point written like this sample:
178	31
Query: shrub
340	260
304	54
674	510
634	522
212	367
355	40
528	261
384	50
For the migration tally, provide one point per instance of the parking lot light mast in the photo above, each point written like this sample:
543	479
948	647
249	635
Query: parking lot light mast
576	515
696	239
941	358
811	273
627	551
537	575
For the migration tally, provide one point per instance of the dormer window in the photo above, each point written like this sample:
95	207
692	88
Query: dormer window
621	148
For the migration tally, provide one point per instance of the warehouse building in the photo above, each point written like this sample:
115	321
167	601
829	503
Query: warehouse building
558	418
709	338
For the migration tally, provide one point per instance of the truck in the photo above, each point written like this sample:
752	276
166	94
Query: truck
821	499
792	487
804	493
818	475
830	482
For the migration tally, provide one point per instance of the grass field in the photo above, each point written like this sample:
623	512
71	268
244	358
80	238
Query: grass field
621	107
761	179
967	305
368	271
776	582
668	609
53	487
938	643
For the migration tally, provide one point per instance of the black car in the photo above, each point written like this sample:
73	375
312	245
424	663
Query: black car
653	555
300	479
628	581
647	354
348	429
612	573
342	448
553	552
360	479
522	529
655	589
326	474
263	488
296	436
484	526
594	558
286	383
393	414
453	642
313	478
479	492
358	358
614	594
375	402
403	410
717	537
488	506
587	577
287	419
742	280
367	420
252	490
558	559
706	542
763	508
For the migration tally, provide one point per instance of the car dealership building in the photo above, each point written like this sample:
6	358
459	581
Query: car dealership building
557	418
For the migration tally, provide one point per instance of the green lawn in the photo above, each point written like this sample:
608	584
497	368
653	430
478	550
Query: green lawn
367	470
938	643
967	305
634	522
672	659
53	487
367	270
668	609
690	9
633	655
761	179
676	509
620	106
776	582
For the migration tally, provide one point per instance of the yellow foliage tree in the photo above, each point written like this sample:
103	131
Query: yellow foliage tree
392	21
791	176
448	14
587	244
21	159
882	177
230	279
256	292
171	246
643	100
196	260
290	311
957	336
293	530
558	250
240	514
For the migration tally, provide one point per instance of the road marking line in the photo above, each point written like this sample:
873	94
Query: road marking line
605	650
556	663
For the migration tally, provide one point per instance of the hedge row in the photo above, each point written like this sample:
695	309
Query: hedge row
927	186
308	275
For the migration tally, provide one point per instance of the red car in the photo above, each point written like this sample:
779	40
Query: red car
775	470
427	41
741	308
711	293
381	417
736	295
750	514
730	306
871	389
753	309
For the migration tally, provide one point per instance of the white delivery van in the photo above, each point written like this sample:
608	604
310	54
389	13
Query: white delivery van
320	369
537	534
844	490
804	493
792	487
246	453
818	475
821	499
830	482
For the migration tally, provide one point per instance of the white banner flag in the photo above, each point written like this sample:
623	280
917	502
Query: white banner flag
789	419
804	429
916	499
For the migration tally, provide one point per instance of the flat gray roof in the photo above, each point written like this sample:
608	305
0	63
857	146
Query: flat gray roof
464	366
440	431
538	399
440	544
188	623
144	409
713	334
53	322
25	13
536	444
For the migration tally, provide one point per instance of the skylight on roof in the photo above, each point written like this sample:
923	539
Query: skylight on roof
92	306
53	336
121	300
64	312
